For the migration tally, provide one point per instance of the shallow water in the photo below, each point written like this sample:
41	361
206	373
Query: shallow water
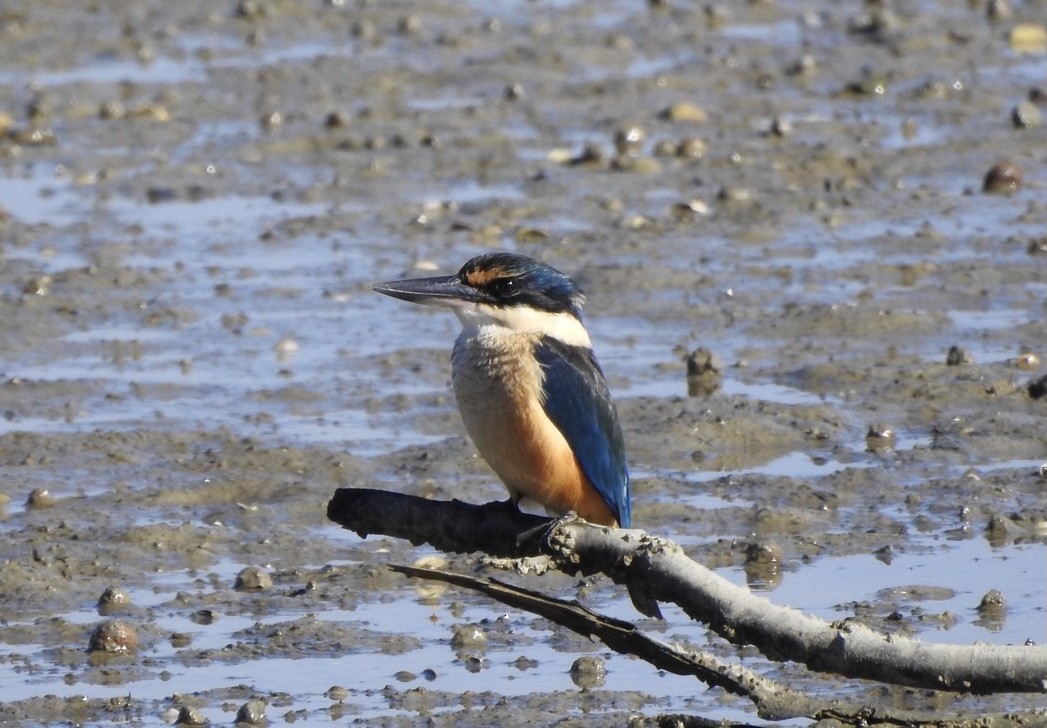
193	358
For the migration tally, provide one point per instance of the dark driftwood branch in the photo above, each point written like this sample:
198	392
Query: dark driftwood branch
660	570
772	701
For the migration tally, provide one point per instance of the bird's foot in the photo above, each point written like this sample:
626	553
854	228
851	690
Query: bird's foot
543	533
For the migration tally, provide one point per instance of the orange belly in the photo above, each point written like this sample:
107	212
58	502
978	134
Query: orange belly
538	464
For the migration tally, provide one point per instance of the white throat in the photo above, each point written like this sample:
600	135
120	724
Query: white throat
524	320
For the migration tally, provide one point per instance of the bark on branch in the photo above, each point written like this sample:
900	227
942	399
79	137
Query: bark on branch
659	570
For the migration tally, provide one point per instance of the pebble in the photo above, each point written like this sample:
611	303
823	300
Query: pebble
253	578
204	616
992	600
336	692
40	498
763	553
1027	361
1026	115
1038	387
704	372
188	715
588	672
1029	38
285	348
252	713
113	599
468	635
957	356
684	111
1002	178
880	438
628	140
113	636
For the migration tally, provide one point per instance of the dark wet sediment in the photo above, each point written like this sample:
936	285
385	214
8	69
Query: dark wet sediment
195	198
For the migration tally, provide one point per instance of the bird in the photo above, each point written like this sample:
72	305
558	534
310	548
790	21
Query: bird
529	389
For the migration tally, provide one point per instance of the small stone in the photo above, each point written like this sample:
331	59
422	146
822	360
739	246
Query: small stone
1002	179
691	208
271	121
253	578
588	672
189	715
781	127
641	165
337	692
38	285
691	148
763	553
734	194
523	663
514	92
628	140
285	348
684	111
114	636
113	599
993	599
1027	361
1029	38
763	565
468	635
1037	246
1038	387
252	713
204	616
957	356
704	372
805	65
1026	115
40	498
998	10
409	24
251	10
111	110
996	530
992	610
591	155
336	120
880	438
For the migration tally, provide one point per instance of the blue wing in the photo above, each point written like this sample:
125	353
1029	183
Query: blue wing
578	403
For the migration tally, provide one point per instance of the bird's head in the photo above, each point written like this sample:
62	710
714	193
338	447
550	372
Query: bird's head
503	289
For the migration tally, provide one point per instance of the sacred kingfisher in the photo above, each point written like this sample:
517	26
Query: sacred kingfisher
529	389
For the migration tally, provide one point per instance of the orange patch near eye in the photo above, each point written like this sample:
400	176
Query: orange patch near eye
480	277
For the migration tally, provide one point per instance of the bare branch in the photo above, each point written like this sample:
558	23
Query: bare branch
625	638
658	570
772	700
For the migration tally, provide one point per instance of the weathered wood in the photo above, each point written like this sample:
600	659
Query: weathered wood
656	569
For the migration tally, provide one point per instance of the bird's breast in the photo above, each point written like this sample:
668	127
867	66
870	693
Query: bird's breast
498	383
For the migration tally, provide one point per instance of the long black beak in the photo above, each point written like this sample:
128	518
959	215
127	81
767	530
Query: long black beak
440	290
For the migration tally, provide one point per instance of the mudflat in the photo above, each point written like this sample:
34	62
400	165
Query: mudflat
842	203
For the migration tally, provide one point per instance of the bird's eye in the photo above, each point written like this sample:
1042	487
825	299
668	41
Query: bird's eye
505	287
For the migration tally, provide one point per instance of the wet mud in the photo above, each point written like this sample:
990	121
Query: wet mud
841	202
